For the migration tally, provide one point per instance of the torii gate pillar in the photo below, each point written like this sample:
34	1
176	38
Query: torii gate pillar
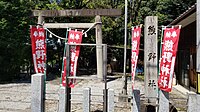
40	19
99	49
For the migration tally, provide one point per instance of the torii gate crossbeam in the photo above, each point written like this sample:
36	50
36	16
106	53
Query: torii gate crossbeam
80	13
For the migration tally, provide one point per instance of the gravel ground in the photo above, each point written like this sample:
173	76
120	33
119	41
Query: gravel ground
97	87
16	97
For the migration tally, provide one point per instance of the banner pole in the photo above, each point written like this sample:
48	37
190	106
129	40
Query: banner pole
45	71
124	90
64	54
162	31
67	88
161	42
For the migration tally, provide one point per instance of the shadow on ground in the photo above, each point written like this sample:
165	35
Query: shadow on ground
26	78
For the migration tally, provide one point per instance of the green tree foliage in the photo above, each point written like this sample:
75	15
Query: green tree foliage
14	23
166	10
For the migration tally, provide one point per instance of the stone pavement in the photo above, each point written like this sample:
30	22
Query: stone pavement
179	96
16	97
178	100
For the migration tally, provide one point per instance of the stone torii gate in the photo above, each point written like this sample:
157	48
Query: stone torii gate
41	14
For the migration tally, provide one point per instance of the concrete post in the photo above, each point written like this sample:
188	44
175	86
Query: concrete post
151	57
163	101
193	102
99	48
136	101
86	99
198	102
111	103
62	99
37	93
